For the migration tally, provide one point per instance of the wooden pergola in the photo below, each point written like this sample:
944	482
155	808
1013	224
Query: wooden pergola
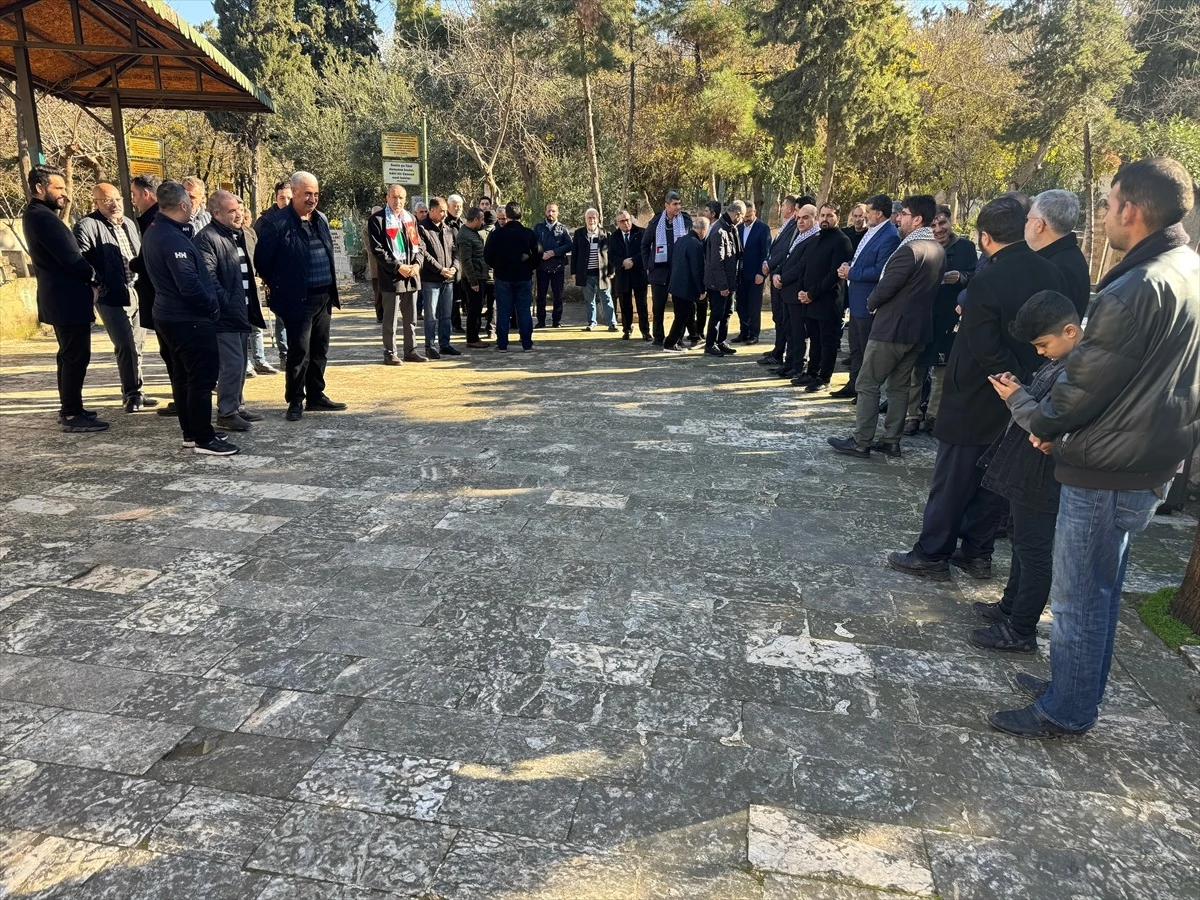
133	54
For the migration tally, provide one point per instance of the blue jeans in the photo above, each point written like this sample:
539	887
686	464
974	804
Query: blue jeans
508	295
1091	550
439	300
594	296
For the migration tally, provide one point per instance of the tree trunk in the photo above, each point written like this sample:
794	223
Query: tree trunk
1186	605
590	133
629	136
831	145
255	173
1089	194
69	178
1025	173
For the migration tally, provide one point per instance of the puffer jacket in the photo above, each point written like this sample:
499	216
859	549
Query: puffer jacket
722	255
1126	409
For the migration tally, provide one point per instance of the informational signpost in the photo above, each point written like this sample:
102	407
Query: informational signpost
401	152
401	171
144	157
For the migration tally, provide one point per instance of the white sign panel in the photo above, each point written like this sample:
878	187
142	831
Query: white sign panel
401	171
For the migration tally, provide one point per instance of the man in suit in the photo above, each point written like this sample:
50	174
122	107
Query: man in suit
295	258
662	233
394	242
629	273
687	282
110	242
590	268
67	287
972	415
1050	232
861	275
820	300
787	280
776	254
902	306
756	245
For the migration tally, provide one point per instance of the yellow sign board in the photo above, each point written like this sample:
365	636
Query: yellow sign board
147	167
145	148
396	144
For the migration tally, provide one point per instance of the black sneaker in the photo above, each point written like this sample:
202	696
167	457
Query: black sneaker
713	350
1002	638
430	353
324	404
294	412
816	387
911	564
216	447
976	566
769	360
82	424
625	336
450	351
1028	723
672	348
233	423
892	450
803	379
168	410
844	393
612	327
848	447
657	342
1031	684
726	349
989	612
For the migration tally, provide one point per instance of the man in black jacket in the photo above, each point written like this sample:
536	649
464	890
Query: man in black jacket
629	273
1119	419
143	189
902	309
961	261
295	259
1050	231
513	254
185	313
110	242
687	282
786	277
771	265
439	272
820	300
722	273
662	233
394	242
223	250
555	241
972	415
67	287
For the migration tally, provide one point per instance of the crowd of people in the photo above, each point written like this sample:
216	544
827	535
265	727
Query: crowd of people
940	338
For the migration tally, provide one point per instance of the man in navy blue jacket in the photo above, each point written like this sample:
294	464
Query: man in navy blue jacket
555	241
687	281
861	275
185	315
295	258
756	244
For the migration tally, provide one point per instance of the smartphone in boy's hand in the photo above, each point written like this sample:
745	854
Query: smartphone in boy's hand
1005	384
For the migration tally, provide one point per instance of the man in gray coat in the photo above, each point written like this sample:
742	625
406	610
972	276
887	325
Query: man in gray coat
223	249
902	307
722	272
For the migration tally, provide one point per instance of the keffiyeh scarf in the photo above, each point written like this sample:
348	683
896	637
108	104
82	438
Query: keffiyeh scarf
917	234
660	235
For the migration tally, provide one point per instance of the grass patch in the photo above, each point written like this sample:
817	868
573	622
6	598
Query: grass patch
1153	611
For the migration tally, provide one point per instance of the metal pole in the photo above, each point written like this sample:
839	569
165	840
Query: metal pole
118	126
425	155
25	100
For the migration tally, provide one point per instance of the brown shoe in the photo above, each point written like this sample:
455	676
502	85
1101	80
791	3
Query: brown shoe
478	345
391	359
415	357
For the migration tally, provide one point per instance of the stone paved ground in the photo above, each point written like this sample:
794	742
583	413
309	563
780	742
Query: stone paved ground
588	623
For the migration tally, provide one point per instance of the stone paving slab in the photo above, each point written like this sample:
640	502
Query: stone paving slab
591	623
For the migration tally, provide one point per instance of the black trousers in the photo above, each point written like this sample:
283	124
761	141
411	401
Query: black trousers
959	507
474	313
749	309
626	298
458	305
1028	590
553	281
718	319
197	364
860	331
74	355
822	347
699	319
796	339
308	350
782	314
489	304
684	312
658	293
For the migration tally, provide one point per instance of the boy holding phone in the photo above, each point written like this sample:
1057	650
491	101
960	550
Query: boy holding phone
1016	470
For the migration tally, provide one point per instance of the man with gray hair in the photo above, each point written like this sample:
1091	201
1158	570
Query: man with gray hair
295	258
589	265
222	247
454	212
198	194
663	231
1050	232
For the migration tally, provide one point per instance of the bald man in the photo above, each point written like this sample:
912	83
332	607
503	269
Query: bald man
109	241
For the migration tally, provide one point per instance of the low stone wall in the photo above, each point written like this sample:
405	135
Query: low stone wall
18	309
